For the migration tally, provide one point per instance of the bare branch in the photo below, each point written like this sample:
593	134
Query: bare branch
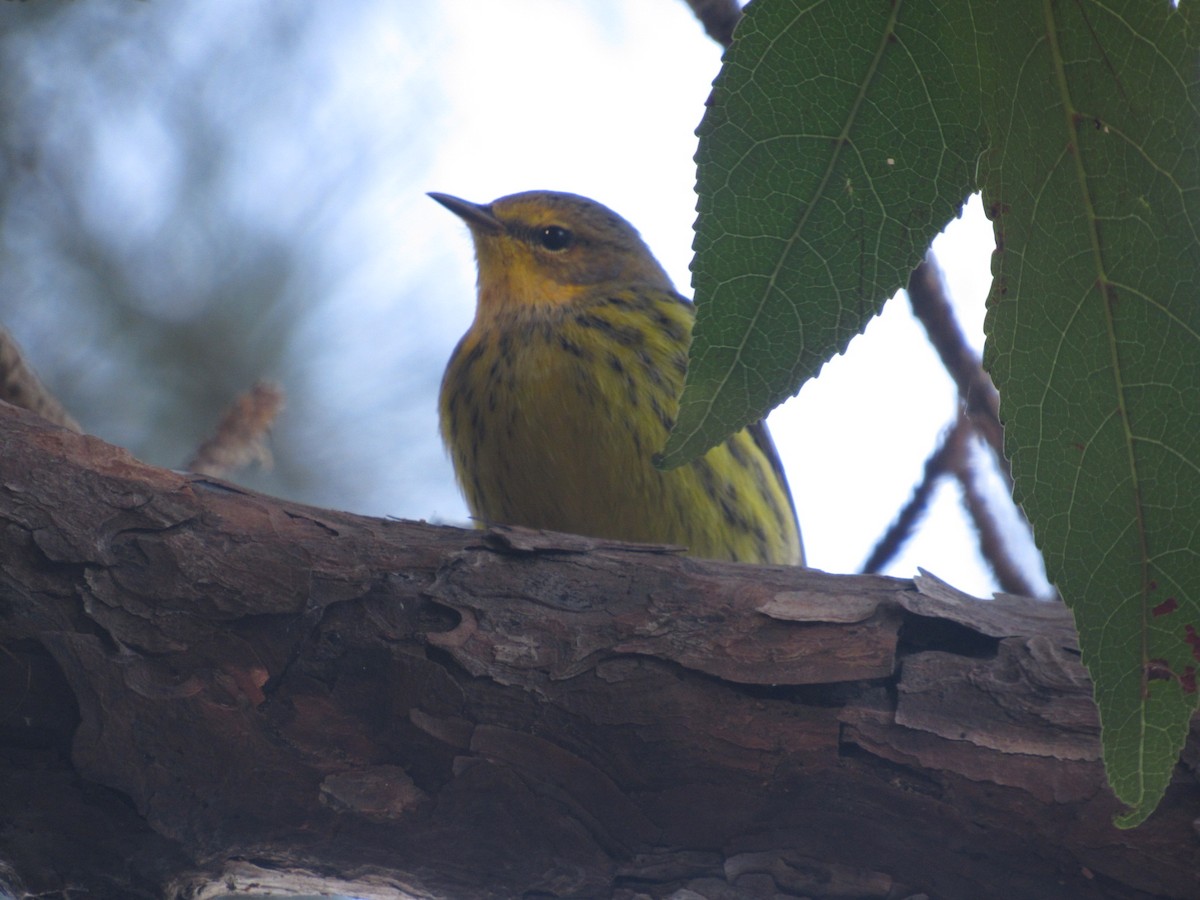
240	438
20	386
200	685
945	459
980	404
927	296
995	547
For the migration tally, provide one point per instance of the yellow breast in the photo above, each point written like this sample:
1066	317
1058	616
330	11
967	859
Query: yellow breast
553	415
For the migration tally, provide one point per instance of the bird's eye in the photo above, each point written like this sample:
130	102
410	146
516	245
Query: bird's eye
555	238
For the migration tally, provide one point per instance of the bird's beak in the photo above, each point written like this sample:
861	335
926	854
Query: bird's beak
476	215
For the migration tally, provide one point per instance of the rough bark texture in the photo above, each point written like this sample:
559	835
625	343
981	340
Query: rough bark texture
200	683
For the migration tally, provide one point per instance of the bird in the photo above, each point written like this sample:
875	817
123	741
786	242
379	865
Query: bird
557	398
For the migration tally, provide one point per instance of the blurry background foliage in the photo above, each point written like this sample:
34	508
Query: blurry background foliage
193	199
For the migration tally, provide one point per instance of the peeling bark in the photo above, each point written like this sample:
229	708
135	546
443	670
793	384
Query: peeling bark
202	687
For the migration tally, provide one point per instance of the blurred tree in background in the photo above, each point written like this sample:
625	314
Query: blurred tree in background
190	201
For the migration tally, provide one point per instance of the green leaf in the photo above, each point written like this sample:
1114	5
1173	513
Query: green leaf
1093	182
842	136
840	139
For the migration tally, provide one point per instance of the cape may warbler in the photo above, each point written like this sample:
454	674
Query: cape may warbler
565	386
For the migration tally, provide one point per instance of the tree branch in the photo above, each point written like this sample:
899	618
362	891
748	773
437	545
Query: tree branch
204	687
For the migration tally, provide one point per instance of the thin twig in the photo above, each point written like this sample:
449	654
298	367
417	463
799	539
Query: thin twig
240	439
944	459
930	305
20	386
980	403
994	546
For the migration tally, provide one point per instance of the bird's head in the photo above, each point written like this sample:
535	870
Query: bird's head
544	248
